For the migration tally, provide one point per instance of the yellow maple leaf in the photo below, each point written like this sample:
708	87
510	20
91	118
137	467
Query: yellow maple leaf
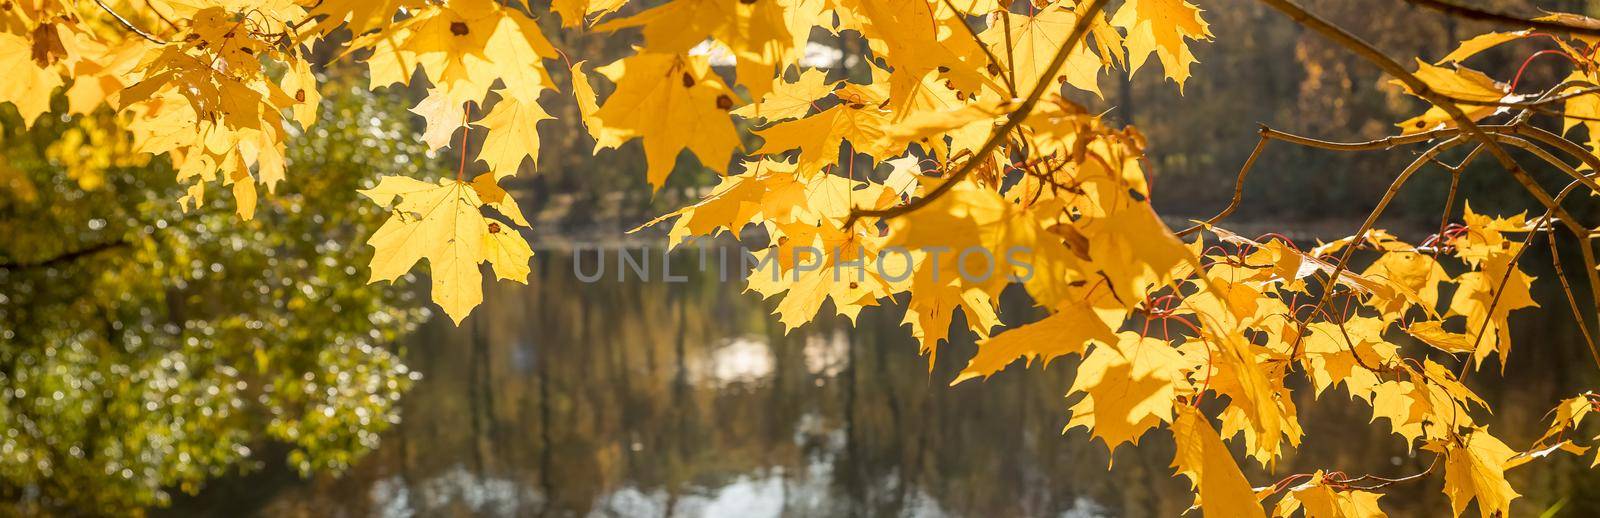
1457	83
789	100
1432	332
1035	40
1221	487
819	136
1475	466
575	12
360	15
1472	46
917	37
1331	349
462	48
755	33
513	135
1065	332
671	102
1161	27
1487	295
444	224
1129	387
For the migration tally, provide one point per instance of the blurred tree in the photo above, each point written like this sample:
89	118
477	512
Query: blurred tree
143	349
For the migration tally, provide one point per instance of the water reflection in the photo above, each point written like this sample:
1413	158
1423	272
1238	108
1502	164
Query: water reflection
648	399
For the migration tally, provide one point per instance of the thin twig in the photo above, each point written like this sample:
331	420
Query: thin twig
1572	302
1238	187
1382	143
1562	144
1450	199
160	16
1385	482
128	25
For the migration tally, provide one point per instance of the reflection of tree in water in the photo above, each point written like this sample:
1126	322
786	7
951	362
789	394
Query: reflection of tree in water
654	399
144	350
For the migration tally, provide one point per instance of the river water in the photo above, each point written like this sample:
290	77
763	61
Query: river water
652	398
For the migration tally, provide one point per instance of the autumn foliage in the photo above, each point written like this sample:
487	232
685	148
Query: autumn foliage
1201	332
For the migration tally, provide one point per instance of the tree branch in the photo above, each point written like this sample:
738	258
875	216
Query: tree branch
1473	13
64	257
1421	89
1079	29
127	24
1238	186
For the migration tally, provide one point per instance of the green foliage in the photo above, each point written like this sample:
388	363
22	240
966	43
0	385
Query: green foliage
143	349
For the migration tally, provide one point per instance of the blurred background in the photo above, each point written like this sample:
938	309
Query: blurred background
157	362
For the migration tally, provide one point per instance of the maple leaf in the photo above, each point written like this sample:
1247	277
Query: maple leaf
916	39
1065	332
1250	375
1413	276
30	85
1161	27
514	136
1432	332
462	48
672	102
1346	354
1034	42
984	237
789	100
1564	420
588	104
444	224
819	137
1472	46
438	109
1487	295
1135	251
301	85
575	12
966	125
360	16
1457	83
1130	386
1475	464
825	250
1221	487
756	32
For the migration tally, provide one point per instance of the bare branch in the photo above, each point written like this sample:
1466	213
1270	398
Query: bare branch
1572	301
1238	186
65	257
1473	13
1382	143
